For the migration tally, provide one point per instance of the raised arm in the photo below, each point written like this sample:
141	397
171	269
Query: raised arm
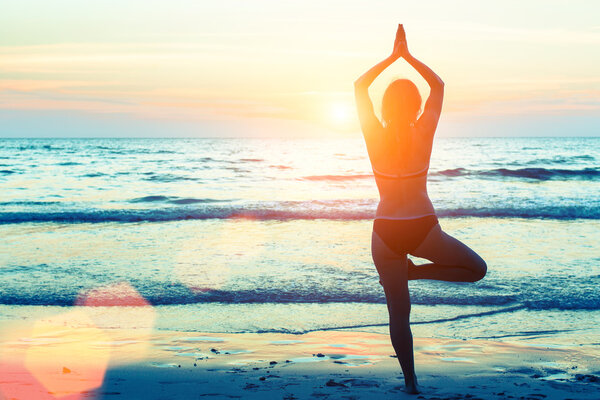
433	105
368	77
370	124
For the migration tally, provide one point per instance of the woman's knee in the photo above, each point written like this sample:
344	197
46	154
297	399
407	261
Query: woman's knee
399	308
479	269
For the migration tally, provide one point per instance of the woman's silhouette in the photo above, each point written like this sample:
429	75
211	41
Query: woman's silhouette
399	148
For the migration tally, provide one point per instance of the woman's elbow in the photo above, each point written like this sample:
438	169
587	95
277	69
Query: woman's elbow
437	87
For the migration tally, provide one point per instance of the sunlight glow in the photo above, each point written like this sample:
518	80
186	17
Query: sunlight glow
341	114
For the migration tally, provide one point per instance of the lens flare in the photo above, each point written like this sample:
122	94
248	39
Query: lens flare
204	262
67	354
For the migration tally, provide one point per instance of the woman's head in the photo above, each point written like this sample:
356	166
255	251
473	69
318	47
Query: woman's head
401	103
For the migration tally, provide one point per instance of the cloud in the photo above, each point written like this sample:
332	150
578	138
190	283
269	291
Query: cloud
464	30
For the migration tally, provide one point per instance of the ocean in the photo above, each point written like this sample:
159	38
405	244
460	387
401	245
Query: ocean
273	235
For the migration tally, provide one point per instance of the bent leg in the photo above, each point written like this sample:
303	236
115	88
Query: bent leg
393	273
452	260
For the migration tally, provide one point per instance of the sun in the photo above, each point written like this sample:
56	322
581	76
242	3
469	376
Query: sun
340	113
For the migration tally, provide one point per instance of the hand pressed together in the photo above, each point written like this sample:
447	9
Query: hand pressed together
400	46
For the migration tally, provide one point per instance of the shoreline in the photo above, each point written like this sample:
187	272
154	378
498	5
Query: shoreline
54	361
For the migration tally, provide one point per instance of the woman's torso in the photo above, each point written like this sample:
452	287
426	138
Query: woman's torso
401	177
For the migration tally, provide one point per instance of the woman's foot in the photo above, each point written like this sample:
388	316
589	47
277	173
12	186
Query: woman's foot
412	389
411	268
411	386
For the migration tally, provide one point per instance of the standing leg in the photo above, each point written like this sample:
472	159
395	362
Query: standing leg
393	272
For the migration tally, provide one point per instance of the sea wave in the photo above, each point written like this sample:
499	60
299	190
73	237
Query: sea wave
68	163
562	159
155	177
531	173
182	295
28	203
202	209
336	177
251	159
174	200
540	174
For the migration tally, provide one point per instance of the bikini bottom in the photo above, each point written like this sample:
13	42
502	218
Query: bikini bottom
403	236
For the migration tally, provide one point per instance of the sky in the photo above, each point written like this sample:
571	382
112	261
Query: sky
137	68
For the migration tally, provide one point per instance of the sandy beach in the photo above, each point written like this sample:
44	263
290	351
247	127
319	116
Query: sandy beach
52	361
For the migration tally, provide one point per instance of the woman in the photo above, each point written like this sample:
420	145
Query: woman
399	148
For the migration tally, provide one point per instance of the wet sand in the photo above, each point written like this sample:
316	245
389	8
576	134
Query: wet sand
85	362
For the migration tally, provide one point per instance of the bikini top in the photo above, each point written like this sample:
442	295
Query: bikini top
422	172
